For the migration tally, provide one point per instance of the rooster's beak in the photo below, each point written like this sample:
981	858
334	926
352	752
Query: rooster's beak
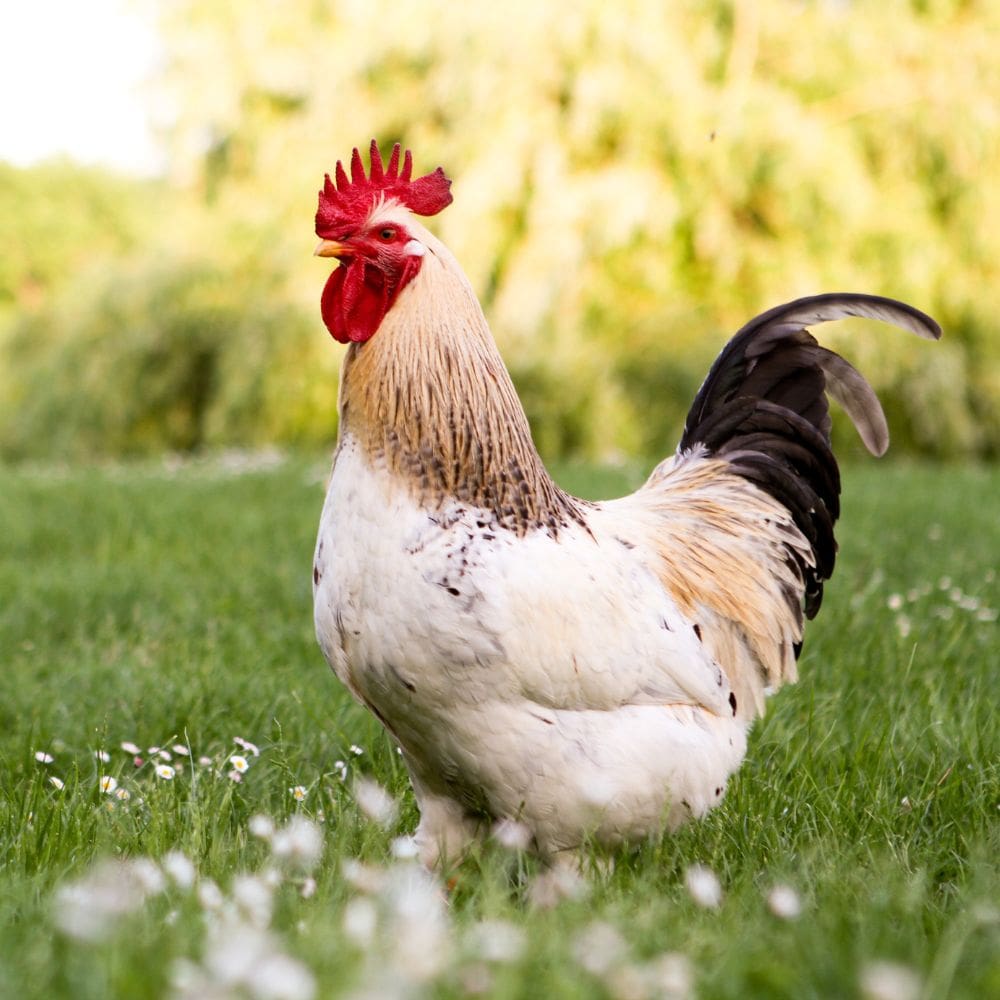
331	248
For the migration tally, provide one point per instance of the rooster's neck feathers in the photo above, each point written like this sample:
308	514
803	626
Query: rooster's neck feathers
429	398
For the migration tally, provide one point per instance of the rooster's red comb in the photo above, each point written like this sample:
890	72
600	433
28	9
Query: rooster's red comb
351	198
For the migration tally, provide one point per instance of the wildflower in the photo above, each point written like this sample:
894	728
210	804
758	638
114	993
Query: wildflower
233	952
405	848
130	748
281	977
254	897
235	776
107	783
476	979
209	894
43	758
360	920
671	975
163	755
556	884
903	625
148	874
895	602
262	826
165	771
205	761
497	940
356	750
181	750
783	901
103	756
598	948
247	745
88	908
341	768
375	802
299	792
417	922
180	869
152	751
364	878
239	763
122	794
512	835
703	886
300	841
889	981
308	889
58	782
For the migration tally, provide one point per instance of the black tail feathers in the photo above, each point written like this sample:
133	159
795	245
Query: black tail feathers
763	407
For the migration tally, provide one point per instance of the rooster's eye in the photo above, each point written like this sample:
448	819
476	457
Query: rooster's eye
387	234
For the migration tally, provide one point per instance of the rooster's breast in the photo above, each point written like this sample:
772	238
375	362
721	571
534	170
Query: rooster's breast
518	672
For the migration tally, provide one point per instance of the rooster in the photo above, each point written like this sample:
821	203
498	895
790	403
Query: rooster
587	670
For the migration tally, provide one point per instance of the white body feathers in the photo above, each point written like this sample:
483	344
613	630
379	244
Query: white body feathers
547	680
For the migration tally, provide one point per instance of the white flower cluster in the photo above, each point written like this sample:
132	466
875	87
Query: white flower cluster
241	953
943	601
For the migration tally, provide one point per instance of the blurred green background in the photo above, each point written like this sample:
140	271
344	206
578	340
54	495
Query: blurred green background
633	181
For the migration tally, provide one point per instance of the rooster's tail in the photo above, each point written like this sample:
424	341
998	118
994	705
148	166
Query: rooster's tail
763	409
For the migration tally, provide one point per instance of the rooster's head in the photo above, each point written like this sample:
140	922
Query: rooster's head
362	221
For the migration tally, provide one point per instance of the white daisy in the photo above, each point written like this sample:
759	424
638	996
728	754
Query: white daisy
247	745
108	784
165	771
299	792
43	758
58	782
375	802
703	886
180	868
239	763
261	826
130	748
299	841
103	756
783	901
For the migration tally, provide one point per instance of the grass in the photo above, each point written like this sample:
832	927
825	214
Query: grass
166	606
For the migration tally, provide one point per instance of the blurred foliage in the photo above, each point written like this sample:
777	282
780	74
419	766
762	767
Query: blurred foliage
632	183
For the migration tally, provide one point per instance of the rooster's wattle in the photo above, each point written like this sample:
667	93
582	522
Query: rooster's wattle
589	670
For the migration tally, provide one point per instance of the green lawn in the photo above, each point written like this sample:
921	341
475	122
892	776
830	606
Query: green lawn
172	606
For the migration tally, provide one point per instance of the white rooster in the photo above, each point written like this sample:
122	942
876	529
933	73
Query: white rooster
589	670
